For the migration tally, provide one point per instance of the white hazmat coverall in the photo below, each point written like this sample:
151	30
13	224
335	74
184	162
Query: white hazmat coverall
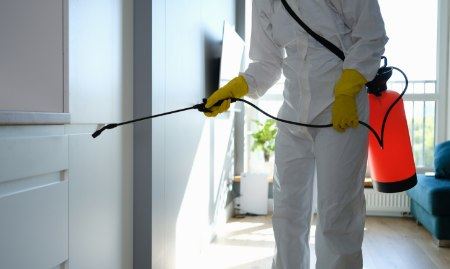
278	44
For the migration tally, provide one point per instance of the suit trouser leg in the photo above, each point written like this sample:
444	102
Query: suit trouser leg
293	187
341	160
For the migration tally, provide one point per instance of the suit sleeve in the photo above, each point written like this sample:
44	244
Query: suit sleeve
265	69
368	34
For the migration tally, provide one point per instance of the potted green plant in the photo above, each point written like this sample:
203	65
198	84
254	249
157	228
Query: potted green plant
264	138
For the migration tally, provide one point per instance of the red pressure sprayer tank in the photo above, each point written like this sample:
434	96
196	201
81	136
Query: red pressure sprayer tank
392	167
392	164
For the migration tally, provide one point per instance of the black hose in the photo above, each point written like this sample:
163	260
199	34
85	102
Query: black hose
201	107
379	139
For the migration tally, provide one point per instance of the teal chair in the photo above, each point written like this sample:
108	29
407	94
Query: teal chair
430	198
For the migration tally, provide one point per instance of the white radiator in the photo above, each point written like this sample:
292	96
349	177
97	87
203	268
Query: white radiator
386	204
377	204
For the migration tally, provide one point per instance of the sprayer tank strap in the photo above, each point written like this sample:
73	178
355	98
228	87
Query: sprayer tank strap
330	46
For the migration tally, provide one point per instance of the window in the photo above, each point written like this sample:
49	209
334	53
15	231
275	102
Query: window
413	48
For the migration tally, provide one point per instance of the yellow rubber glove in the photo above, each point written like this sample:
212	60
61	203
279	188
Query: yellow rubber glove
344	111
236	88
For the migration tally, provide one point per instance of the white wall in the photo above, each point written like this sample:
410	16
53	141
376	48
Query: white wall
65	198
444	70
191	156
100	170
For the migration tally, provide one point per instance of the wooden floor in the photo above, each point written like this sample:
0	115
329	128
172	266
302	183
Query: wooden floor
389	243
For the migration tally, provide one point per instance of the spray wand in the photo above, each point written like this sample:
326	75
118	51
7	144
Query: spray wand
201	108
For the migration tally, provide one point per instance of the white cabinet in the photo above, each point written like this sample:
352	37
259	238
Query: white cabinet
33	201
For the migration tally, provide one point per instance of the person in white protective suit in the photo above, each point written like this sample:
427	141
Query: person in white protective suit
320	88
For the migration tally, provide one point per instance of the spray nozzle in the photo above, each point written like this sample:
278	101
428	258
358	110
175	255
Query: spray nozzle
106	127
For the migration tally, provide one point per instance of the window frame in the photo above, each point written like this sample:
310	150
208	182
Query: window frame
442	79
